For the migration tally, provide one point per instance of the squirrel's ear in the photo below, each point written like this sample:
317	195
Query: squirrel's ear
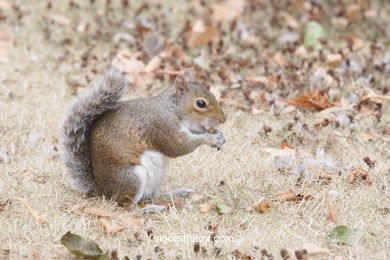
182	81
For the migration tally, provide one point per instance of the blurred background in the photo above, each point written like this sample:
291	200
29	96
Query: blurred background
251	52
306	88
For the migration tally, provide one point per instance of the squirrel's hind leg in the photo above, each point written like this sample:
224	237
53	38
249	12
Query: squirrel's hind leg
182	192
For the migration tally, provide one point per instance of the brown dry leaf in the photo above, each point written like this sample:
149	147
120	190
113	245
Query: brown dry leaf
126	62
97	212
257	111
227	10
27	173
375	98
153	64
312	100
270	80
205	208
262	206
133	222
368	137
4	53
290	21
291	196
278	58
4	204
386	130
333	60
34	213
332	214
175	201
111	228
59	19
301	52
313	249
357	42
286	146
202	34
241	255
352	11
355	174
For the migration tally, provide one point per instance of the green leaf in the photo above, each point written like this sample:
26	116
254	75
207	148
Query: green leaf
345	235
313	33
82	247
222	208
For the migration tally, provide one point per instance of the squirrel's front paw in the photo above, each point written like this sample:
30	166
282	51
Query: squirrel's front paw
218	140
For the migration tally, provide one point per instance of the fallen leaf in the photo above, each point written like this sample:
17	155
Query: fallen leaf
270	80
4	53
27	173
81	246
262	206
355	174
291	196
34	139
375	98
368	137
241	255
97	212
126	62
332	214
153	64
352	11
314	32
290	20
59	19
286	146
202	34
34	213
227	10
133	222
4	157
169	202
153	44
333	60
205	208
312	100
110	227
344	235
313	249
4	204
222	208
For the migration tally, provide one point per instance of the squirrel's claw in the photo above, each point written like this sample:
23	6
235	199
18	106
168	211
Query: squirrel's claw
182	192
153	209
218	139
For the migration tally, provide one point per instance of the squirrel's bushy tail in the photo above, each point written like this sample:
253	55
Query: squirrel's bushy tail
77	125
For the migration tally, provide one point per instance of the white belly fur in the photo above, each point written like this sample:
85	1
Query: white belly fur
151	173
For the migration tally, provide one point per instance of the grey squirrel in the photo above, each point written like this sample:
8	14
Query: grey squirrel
122	149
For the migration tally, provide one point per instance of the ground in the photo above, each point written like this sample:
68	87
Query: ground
52	51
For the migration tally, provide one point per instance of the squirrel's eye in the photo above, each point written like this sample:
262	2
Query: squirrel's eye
201	103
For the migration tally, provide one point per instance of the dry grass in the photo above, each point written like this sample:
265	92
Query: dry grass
33	96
